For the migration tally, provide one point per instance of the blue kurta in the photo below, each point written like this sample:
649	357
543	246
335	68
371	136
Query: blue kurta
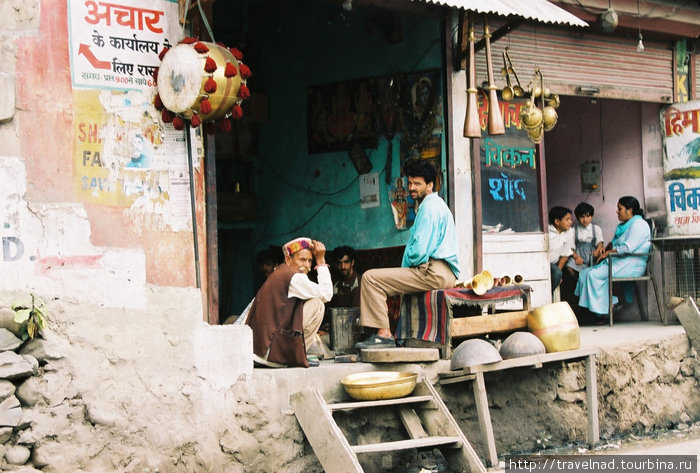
433	235
632	236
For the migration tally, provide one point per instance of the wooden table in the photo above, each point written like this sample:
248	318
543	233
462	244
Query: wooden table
475	374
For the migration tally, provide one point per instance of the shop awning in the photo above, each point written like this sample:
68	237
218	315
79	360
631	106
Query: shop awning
537	10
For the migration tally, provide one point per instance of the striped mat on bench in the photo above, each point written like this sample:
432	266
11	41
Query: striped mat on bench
423	316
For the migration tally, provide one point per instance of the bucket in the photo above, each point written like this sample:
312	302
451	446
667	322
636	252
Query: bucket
345	329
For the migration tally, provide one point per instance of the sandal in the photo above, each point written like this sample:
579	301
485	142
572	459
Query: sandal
313	360
375	341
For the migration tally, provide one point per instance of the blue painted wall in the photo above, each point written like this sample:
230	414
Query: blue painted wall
291	45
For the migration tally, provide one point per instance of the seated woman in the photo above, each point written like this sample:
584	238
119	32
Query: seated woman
632	235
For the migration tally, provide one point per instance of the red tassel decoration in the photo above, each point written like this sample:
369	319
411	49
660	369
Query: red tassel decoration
209	65
235	52
158	103
244	92
205	107
188	40
225	125
155	75
195	121
245	71
178	123
210	86
230	70
200	47
210	128
161	55
237	112
167	116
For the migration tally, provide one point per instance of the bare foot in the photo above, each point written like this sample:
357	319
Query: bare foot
384	332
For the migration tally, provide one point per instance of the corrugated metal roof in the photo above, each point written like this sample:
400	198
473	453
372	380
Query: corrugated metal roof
538	10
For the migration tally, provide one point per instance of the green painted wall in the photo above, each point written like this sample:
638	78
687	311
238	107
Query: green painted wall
291	45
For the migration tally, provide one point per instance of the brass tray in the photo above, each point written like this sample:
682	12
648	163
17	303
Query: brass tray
376	385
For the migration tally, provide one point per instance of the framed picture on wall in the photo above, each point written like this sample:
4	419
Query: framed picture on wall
341	113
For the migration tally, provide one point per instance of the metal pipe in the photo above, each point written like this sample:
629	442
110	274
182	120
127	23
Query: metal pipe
193	205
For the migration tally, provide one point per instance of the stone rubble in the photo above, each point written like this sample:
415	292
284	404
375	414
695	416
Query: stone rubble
21	388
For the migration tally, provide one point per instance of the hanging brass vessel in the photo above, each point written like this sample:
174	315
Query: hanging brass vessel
531	116
549	117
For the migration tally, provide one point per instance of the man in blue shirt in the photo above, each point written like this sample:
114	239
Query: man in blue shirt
429	260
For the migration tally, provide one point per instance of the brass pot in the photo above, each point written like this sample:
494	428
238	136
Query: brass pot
549	117
531	116
556	325
376	385
536	134
554	101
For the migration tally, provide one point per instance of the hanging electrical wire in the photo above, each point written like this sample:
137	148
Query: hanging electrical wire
302	225
282	178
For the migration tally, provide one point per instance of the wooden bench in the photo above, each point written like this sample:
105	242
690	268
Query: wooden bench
426	319
475	374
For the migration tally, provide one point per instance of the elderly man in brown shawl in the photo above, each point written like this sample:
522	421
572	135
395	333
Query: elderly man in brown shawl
289	307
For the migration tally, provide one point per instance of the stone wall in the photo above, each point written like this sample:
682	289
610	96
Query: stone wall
135	390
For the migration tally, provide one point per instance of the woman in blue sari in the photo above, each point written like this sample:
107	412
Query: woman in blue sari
632	235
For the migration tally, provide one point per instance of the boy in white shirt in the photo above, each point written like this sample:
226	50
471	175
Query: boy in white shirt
561	242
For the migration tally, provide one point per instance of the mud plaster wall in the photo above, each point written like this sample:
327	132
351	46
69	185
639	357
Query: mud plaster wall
54	240
157	388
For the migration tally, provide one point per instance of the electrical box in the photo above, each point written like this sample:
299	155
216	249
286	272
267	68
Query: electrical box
590	176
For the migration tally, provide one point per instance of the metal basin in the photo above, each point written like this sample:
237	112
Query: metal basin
375	385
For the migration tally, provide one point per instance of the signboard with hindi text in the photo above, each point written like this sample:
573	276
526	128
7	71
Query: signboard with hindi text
680	125
115	44
509	175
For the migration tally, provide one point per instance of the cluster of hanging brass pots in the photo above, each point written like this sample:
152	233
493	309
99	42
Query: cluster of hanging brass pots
535	120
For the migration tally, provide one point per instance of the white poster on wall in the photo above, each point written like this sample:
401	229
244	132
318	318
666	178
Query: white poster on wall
681	136
115	44
369	190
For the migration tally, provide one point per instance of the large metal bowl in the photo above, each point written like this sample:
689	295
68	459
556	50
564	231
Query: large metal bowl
375	385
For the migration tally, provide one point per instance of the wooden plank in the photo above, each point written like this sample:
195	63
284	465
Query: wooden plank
568	355
324	435
500	243
689	317
211	216
415	343
413	425
406	444
346	406
592	401
491	323
482	410
440	422
399	355
457	379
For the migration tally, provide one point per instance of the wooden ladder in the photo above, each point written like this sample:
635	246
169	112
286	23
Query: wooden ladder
423	414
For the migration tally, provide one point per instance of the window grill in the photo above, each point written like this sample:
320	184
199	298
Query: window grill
680	266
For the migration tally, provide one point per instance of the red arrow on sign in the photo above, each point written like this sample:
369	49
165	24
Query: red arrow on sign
96	63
